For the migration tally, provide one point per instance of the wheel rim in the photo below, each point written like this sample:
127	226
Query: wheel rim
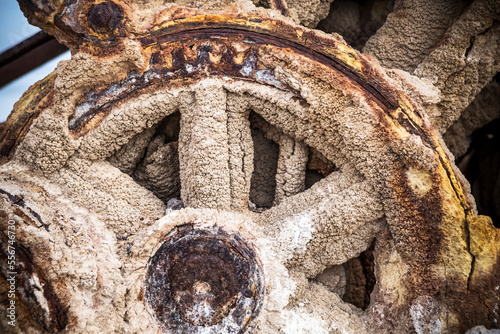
222	76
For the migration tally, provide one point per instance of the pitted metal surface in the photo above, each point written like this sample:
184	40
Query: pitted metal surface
204	277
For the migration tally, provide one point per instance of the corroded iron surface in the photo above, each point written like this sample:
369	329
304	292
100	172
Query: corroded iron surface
203	277
312	103
35	292
171	56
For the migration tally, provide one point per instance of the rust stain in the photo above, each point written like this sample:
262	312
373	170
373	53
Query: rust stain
19	202
416	229
414	124
105	17
484	279
281	6
203	277
50	312
172	58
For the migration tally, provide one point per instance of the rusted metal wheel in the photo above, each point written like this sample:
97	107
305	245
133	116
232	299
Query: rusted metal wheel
292	154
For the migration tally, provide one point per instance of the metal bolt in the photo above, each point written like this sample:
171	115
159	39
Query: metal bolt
105	16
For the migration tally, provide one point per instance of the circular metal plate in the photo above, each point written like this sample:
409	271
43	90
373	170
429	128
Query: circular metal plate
205	278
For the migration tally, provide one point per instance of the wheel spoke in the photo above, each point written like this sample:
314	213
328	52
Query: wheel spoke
475	51
215	151
328	224
291	172
411	32
240	151
203	150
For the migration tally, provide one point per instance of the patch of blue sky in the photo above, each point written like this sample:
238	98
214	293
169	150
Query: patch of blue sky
15	28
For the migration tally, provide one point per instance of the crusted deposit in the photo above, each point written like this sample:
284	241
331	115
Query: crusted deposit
221	167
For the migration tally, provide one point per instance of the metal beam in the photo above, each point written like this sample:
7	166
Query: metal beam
28	55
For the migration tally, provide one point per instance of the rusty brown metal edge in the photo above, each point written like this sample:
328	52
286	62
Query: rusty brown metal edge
281	6
302	39
264	39
26	110
429	137
308	43
18	201
27	267
282	34
43	10
58	318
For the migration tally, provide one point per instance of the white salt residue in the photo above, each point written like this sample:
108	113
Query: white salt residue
496	311
416	312
297	322
422	312
437	327
80	110
246	70
296	232
471	58
280	289
205	330
148	76
228	324
267	76
117	89
248	66
200	312
42	301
